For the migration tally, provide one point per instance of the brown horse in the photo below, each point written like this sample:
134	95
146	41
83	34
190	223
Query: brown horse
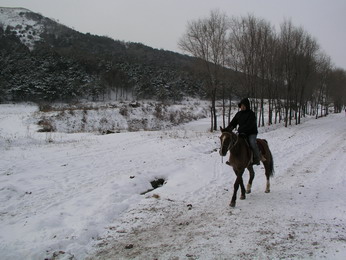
241	158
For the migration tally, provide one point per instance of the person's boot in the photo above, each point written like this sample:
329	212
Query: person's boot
256	161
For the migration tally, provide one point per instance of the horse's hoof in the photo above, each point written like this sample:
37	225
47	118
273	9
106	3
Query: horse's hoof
267	191
248	191
242	197
232	204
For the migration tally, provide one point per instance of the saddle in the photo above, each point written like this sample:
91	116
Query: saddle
261	146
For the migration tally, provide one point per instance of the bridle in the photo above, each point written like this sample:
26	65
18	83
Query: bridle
231	143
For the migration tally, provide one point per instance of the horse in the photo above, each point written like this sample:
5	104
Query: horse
241	158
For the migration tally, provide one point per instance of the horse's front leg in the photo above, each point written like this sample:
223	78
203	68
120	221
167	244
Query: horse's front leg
252	176
235	190
238	182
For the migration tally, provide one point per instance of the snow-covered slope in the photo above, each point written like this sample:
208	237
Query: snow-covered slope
78	196
119	116
24	23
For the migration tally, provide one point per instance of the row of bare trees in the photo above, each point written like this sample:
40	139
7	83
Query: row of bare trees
246	56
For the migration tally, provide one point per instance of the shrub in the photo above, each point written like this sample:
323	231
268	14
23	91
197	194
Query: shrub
46	125
124	111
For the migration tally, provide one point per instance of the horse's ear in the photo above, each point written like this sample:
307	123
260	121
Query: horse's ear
221	129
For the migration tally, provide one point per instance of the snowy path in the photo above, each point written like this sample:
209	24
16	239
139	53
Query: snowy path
303	217
77	196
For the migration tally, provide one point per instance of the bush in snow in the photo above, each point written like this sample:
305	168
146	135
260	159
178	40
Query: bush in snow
113	118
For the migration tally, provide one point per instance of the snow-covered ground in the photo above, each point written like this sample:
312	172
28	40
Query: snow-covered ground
78	196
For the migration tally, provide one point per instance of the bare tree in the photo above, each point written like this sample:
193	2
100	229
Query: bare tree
247	49
323	69
266	63
337	89
283	69
243	50
206	39
306	66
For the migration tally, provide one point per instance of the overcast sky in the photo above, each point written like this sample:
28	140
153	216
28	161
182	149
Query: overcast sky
160	23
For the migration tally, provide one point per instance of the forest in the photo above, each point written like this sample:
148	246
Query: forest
68	66
285	68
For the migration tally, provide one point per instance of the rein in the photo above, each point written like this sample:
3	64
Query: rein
230	145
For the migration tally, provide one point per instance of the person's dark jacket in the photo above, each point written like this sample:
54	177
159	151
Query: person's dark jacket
246	119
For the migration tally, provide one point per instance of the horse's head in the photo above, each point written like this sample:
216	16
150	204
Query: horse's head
227	140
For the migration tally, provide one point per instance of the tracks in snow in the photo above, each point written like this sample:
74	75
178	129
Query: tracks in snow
290	222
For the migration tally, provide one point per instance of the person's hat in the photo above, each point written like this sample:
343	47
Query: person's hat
245	102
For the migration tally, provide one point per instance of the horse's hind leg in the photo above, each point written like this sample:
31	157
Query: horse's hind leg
267	186
242	188
252	176
268	174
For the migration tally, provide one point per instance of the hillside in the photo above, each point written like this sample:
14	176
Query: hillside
42	60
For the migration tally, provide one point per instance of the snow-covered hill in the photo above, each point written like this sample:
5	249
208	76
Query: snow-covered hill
78	196
70	66
24	23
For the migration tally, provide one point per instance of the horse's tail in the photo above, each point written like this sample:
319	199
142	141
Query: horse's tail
270	158
271	164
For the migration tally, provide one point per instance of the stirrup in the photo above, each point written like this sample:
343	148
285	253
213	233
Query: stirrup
256	163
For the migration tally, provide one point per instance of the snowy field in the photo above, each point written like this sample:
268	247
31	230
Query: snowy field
78	196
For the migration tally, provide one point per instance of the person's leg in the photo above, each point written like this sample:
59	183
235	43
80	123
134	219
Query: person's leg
254	147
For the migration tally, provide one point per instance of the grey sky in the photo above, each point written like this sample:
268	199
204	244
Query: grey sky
160	23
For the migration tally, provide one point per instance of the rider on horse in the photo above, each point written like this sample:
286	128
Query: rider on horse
246	119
